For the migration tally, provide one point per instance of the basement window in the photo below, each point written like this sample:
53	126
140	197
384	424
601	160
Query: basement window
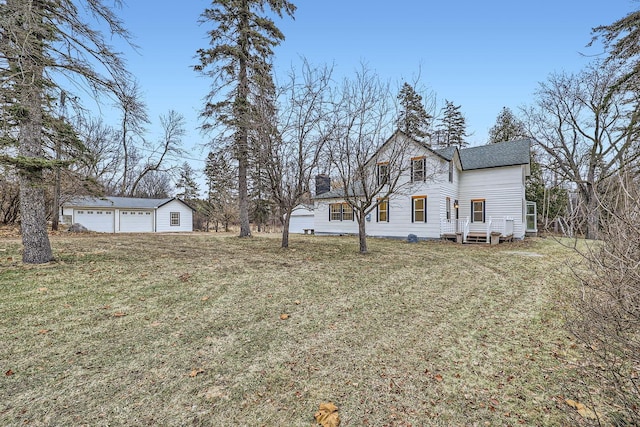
175	218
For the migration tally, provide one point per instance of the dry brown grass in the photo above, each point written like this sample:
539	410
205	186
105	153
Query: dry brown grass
186	329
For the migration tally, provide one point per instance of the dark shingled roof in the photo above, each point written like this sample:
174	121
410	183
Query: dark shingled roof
118	202
496	155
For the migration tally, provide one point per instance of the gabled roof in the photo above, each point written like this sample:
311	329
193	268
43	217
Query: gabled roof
509	153
120	202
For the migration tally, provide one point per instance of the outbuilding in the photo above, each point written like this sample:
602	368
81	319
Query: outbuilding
128	214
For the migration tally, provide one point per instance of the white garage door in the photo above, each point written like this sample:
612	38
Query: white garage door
95	220
136	221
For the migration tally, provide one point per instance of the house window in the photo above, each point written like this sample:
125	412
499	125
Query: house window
340	212
335	212
451	171
448	208
419	209
347	212
477	210
383	173
175	218
383	210
418	169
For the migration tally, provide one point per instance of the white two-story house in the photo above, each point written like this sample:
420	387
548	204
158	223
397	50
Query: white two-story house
461	194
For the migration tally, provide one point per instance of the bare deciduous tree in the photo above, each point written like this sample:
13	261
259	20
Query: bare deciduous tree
607	303
368	170
587	125
292	146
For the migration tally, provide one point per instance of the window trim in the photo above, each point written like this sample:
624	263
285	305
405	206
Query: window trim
473	211
382	179
174	219
341	211
382	202
448	209
424	208
423	161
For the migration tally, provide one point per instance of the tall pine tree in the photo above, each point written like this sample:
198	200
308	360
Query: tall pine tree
507	128
45	45
413	118
452	128
242	43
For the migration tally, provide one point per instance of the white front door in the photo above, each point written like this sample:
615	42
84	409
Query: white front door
138	221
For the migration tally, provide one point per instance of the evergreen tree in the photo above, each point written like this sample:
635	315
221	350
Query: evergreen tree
220	174
507	128
187	183
413	118
44	44
452	128
242	42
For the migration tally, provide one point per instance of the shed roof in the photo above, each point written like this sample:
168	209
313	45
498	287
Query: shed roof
119	202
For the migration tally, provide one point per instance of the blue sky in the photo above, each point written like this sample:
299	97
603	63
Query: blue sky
482	55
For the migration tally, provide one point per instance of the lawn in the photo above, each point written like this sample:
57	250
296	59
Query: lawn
210	329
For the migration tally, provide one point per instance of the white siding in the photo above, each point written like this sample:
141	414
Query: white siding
503	192
301	219
163	217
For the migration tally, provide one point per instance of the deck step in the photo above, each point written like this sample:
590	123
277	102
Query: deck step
476	238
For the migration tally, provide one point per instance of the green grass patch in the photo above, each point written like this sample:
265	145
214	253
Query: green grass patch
186	329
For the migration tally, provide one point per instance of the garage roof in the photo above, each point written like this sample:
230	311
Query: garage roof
119	202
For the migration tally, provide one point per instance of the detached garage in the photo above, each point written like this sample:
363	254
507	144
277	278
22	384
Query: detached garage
129	214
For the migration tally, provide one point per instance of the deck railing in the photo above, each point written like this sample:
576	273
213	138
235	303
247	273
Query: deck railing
504	226
464	226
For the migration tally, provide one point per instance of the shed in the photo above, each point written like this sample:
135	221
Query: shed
302	218
129	214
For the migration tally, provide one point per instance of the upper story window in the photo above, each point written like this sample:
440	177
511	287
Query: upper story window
451	171
477	210
418	166
383	173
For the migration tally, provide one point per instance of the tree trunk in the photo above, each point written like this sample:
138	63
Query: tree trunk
362	235
593	214
285	230
243	113
37	248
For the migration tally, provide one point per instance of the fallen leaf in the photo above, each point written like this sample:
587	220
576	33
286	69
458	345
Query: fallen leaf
119	314
43	289
284	316
297	302
583	410
43	331
195	372
154	324
327	415
438	377
9	373
204	298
